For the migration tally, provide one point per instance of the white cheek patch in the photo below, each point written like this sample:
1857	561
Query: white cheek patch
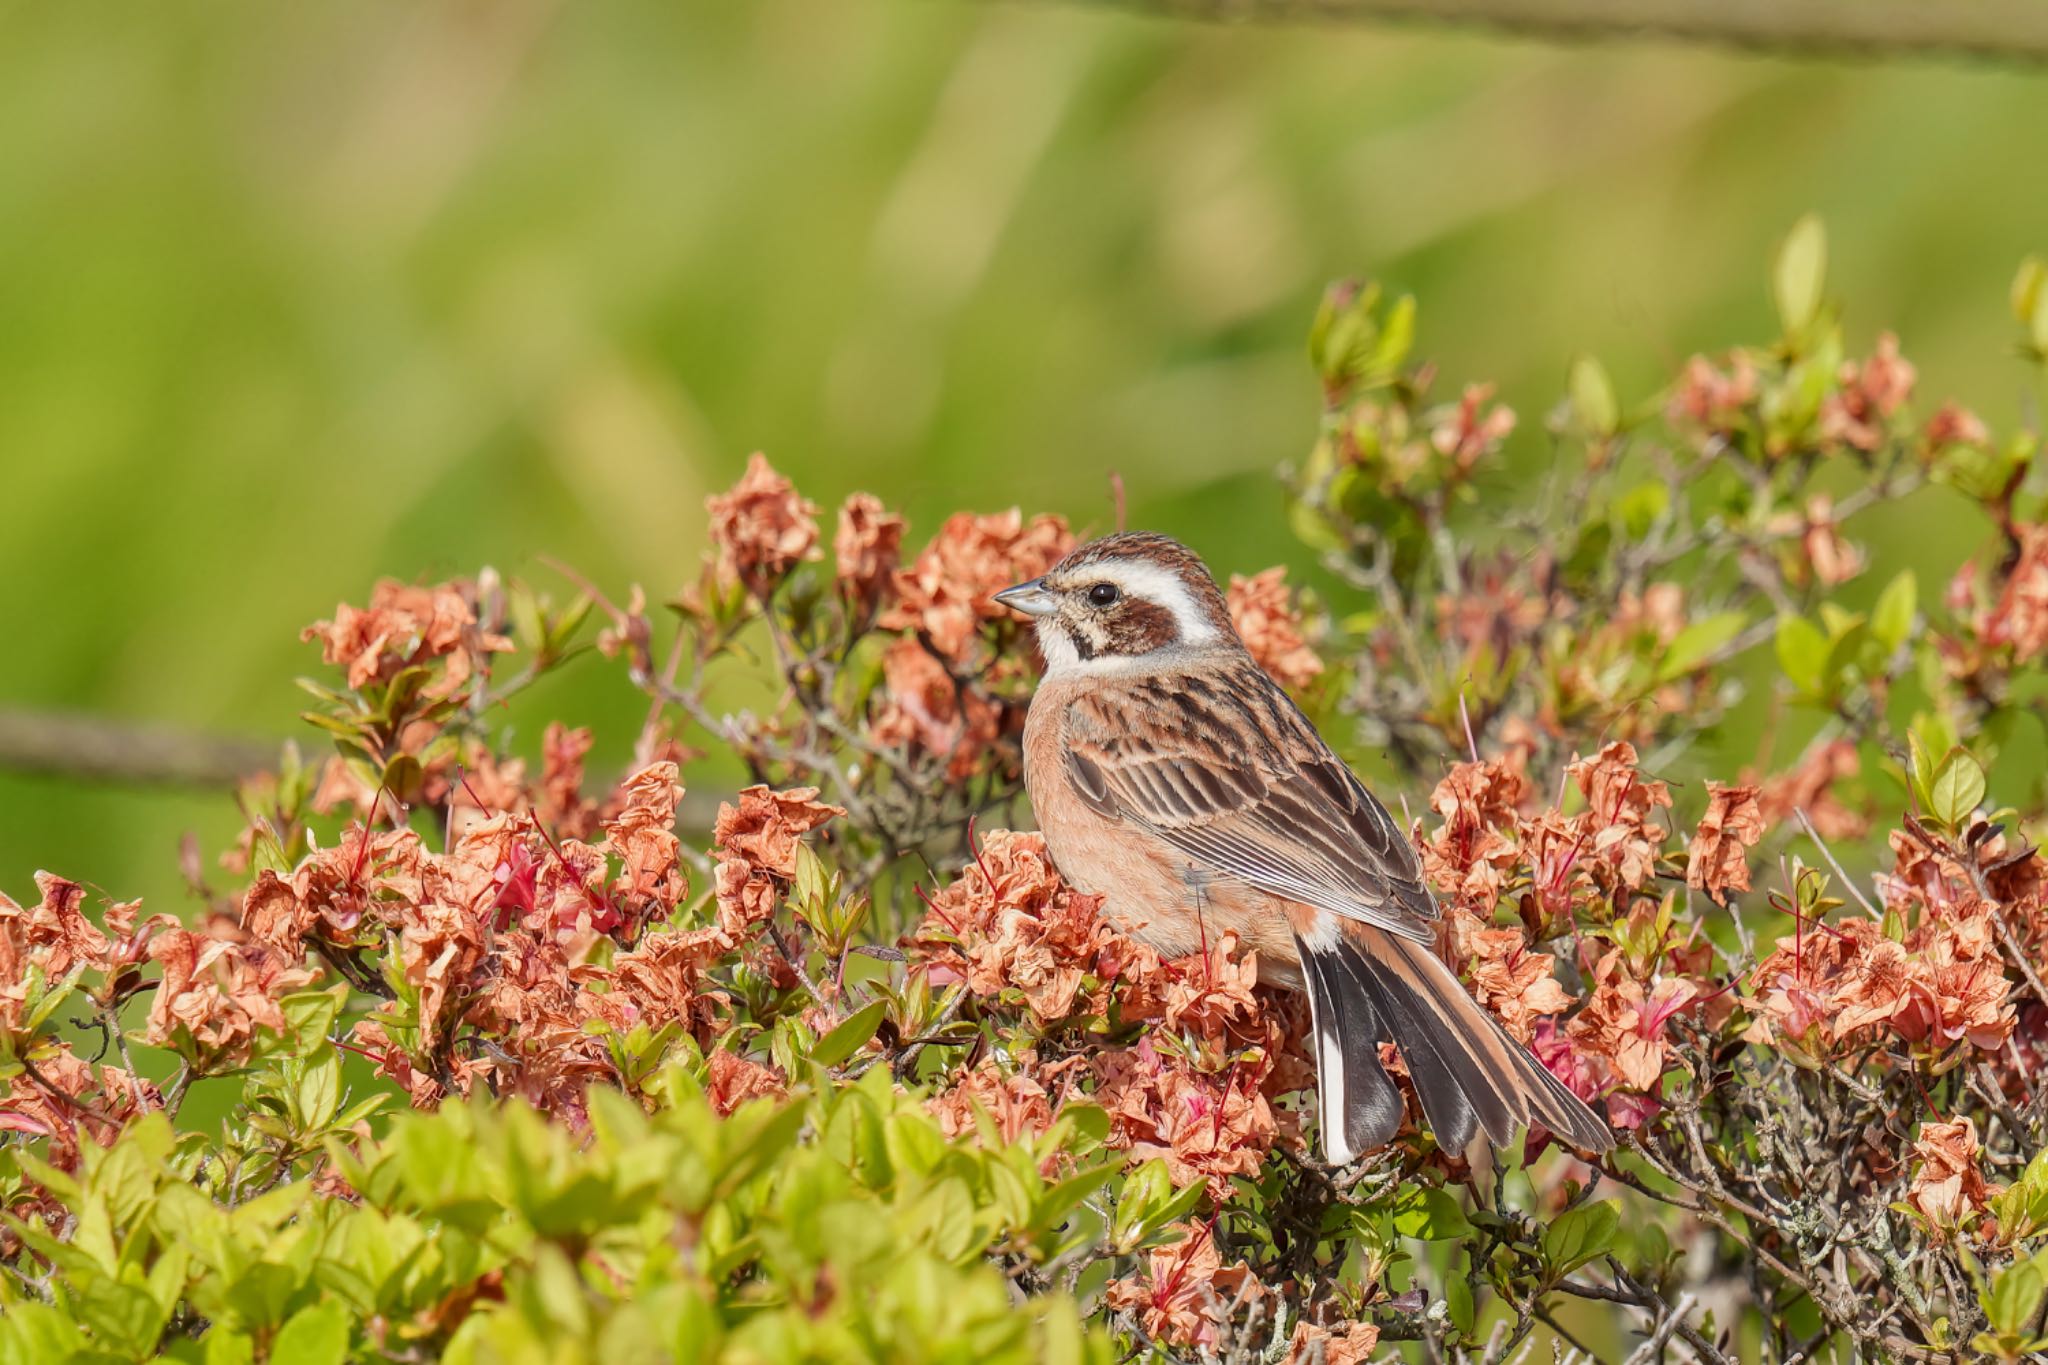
1151	583
1057	646
1062	660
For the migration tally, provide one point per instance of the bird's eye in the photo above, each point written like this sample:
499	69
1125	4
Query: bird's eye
1104	594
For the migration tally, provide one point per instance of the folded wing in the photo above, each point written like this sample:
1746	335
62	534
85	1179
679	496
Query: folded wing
1226	769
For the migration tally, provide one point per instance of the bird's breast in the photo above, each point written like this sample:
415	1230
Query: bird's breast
1150	890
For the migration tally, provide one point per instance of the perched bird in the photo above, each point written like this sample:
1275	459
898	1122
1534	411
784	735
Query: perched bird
1172	776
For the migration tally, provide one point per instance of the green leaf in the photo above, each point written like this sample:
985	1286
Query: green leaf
1802	654
1919	768
124	1316
1957	789
1429	1213
317	1335
1799	274
1641	508
1053	1206
1458	1301
850	1035
2030	302
309	1016
1592	395
1581	1235
1397	339
812	885
402	777
2014	1297
1699	642
1891	620
1082	1128
225	1346
318	1093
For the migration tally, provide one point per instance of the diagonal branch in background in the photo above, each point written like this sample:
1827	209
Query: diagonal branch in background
94	748
2003	30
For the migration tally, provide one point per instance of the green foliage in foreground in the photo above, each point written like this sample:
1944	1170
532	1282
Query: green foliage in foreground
673	1236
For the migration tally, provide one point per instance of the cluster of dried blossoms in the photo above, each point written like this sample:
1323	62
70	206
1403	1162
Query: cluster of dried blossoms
1830	1093
1516	878
1189	1055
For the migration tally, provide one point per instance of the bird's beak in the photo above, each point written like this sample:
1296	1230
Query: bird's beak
1033	598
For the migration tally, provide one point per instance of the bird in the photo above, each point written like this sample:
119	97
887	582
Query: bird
1172	776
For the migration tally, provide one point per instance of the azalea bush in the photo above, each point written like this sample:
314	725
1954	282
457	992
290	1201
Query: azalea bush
521	1063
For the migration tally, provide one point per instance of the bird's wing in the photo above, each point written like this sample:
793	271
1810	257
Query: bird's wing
1225	768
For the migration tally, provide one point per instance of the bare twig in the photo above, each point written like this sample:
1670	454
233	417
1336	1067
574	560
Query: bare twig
1806	824
2002	30
106	749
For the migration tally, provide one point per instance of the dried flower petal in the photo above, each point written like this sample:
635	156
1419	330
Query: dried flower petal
866	552
946	593
762	527
1715	861
1269	622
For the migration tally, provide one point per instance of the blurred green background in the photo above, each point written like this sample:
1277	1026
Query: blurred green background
293	296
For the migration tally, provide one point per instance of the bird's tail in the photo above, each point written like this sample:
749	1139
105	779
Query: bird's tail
1365	987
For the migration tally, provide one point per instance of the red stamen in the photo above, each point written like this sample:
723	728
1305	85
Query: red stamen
1926	1098
974	843
1181	1262
382	1059
363	849
463	778
933	906
603	907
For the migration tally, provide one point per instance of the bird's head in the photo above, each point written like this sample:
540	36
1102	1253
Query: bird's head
1124	599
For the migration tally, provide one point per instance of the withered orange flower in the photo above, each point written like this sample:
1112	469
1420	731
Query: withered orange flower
70	1100
1350	1344
1513	982
1949	1185
2019	618
1471	854
733	1080
1832	558
766	826
1624	1021
1942	985
925	709
1008	921
1206	1125
1184	1295
1870	394
405	625
1715	861
643	835
756	850
1809	786
664	974
762	527
1014	1099
1471	431
947	592
1624	840
1210	991
561	803
1713	399
1954	425
218	993
866	552
1269	622
53	933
